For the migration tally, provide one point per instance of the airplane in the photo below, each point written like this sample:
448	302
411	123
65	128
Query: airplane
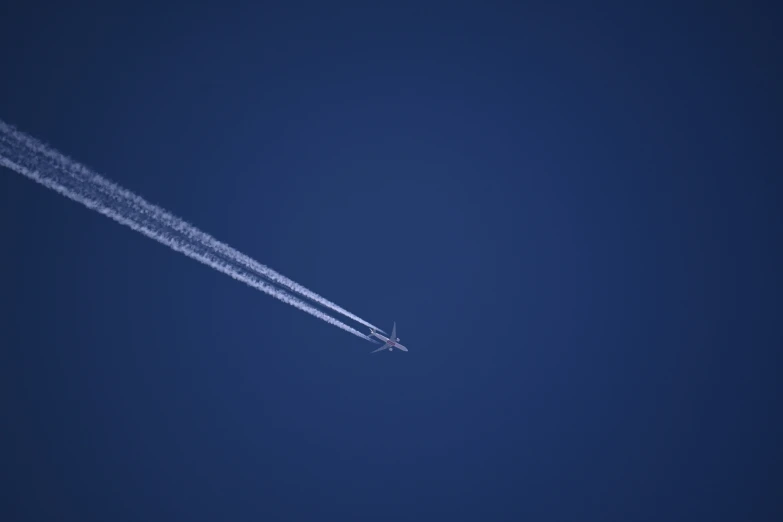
391	342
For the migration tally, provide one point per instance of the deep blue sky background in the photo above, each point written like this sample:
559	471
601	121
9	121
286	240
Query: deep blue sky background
573	214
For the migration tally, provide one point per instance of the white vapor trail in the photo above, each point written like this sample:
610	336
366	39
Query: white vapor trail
81	191
142	206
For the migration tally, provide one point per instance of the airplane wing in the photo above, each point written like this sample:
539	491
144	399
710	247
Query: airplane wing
381	348
393	335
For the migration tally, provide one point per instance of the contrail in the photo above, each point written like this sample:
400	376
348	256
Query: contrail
142	206
81	192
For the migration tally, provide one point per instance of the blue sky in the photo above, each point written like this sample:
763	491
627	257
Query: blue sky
571	212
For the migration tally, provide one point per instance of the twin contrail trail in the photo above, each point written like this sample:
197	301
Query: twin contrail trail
29	157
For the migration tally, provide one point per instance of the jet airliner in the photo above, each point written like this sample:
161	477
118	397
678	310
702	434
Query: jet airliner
391	342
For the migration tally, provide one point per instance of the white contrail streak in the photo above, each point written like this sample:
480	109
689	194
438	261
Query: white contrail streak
142	206
81	194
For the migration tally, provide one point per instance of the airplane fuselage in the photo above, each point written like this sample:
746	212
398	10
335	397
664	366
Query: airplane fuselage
384	339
